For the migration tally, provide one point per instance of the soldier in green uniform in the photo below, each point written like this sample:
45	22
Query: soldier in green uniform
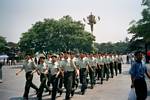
119	60
111	66
28	66
48	61
91	67
68	68
115	64
54	71
101	67
42	70
82	65
61	75
106	67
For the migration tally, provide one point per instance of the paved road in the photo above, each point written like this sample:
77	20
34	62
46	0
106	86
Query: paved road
115	89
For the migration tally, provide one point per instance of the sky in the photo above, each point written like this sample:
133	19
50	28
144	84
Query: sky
17	16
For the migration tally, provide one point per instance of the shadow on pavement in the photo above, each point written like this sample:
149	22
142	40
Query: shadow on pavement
21	98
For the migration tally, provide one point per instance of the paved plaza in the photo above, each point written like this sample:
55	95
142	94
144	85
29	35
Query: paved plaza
116	88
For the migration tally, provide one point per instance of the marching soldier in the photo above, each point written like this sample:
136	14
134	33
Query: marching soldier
61	75
54	71
42	70
73	61
97	73
28	66
101	67
91	70
48	61
106	67
120	60
115	64
111	66
82	65
68	68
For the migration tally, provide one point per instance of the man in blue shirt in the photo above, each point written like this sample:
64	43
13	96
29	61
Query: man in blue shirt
137	72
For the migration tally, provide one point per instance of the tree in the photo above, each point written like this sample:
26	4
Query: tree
141	28
119	47
52	35
3	44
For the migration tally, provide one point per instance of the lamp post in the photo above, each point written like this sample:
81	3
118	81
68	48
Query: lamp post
91	20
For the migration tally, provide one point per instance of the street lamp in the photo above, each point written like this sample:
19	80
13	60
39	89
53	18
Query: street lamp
91	20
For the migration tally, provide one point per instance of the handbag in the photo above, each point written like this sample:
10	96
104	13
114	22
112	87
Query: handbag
132	94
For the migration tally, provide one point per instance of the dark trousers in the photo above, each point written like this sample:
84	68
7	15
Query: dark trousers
83	76
29	78
49	78
111	69
74	79
68	81
97	73
140	89
102	73
92	76
106	71
120	68
54	86
116	68
60	82
43	85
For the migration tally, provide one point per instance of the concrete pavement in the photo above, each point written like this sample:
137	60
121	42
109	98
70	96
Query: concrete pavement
116	88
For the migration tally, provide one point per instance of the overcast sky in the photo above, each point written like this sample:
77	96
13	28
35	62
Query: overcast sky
17	16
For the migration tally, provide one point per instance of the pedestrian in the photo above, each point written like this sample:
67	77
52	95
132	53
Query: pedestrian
28	66
137	72
1	65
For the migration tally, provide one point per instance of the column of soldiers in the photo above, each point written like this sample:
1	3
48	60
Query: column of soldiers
69	70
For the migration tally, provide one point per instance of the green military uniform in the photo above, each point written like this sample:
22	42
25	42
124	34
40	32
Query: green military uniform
106	68
115	65
28	66
68	76
119	60
43	77
91	72
54	68
111	67
101	66
82	65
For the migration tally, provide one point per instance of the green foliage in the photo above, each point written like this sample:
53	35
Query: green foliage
141	28
119	47
52	35
2	44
